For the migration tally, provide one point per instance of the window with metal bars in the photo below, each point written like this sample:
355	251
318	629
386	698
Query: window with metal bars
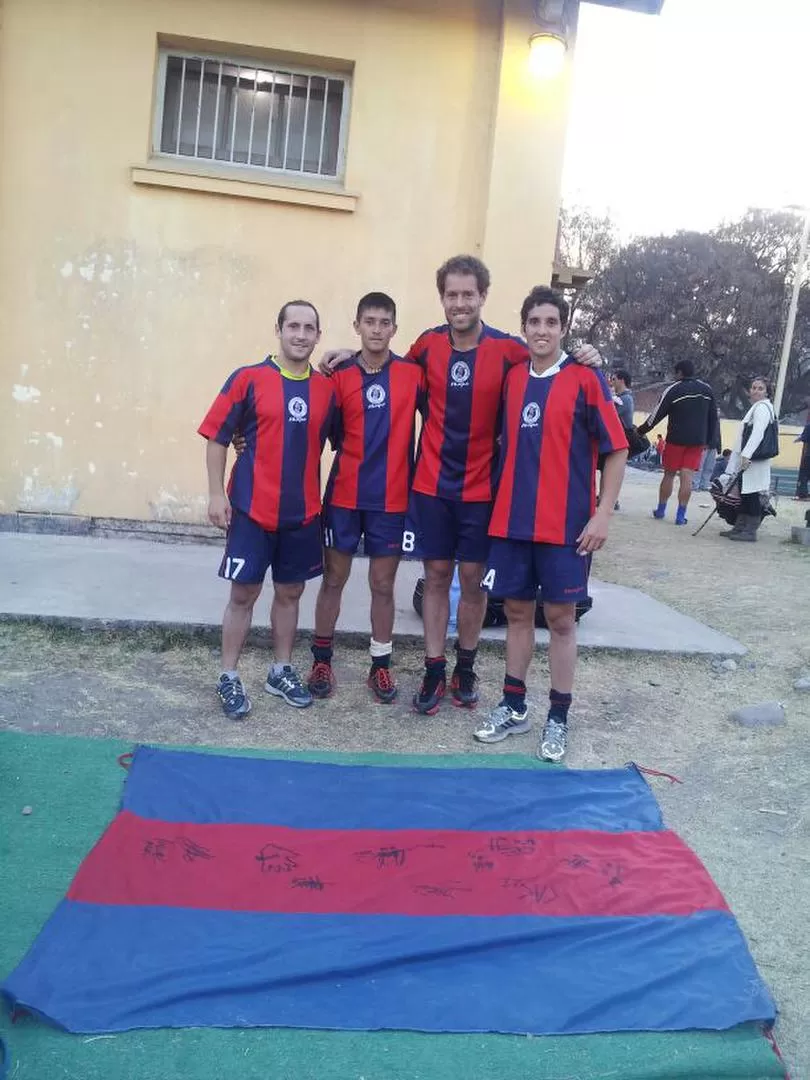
280	120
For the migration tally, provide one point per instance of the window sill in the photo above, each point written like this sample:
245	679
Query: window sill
243	183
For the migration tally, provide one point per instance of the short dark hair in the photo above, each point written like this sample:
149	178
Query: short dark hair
379	300
685	368
463	264
542	294
766	383
624	375
282	315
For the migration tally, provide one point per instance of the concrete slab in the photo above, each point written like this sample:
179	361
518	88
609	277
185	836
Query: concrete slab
136	583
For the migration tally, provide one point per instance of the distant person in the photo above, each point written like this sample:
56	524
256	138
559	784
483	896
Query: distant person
755	473
804	465
660	446
620	383
720	464
705	472
693	424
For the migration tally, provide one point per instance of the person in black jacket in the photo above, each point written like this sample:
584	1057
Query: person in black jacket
693	424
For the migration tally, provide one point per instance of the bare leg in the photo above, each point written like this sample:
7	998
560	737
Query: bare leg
562	648
336	569
519	637
667	483
382	572
685	486
436	604
236	622
284	619
472	604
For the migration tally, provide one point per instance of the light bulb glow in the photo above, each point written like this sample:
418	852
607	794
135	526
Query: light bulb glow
546	55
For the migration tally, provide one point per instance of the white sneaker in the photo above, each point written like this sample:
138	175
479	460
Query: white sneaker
553	740
502	722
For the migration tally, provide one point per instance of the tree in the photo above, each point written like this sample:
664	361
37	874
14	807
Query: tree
715	298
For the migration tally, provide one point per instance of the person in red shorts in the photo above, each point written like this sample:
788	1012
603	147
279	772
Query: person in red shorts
283	411
693	424
558	418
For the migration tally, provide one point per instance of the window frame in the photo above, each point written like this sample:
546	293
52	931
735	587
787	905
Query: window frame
269	172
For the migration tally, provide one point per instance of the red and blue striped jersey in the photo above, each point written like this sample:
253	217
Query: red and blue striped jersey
374	435
285	421
458	446
554	428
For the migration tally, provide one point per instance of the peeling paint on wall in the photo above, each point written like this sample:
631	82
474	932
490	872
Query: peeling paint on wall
46	499
55	440
25	394
168	506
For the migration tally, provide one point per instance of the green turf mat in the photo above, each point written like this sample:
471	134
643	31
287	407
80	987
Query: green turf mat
73	786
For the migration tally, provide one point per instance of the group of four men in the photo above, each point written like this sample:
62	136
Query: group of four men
502	484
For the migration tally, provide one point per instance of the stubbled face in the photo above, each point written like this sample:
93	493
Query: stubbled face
299	335
543	332
462	302
758	391
376	327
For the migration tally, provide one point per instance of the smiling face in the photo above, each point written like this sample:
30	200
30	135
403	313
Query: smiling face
758	391
462	302
299	333
543	331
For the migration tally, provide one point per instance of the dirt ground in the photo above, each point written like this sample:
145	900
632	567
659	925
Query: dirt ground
744	803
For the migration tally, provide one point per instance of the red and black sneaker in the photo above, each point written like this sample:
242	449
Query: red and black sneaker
464	688
430	693
381	683
321	681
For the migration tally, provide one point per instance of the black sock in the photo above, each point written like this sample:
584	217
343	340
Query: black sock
514	693
435	667
381	661
559	706
465	658
322	649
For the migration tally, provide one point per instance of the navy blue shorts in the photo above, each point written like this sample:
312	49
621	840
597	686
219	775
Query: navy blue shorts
381	531
438	528
292	555
516	569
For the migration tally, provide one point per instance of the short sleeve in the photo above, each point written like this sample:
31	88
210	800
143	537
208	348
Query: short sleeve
603	418
224	418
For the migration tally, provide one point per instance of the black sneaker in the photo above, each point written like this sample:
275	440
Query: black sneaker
430	694
287	685
235	702
464	688
321	681
381	683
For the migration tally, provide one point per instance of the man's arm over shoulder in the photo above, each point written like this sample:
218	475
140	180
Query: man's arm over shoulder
417	353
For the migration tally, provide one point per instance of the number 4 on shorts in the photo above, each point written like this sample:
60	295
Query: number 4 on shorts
488	580
233	568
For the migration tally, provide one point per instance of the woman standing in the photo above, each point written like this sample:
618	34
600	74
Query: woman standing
756	473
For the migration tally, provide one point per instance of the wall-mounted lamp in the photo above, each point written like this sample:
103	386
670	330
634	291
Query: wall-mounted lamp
546	54
548	46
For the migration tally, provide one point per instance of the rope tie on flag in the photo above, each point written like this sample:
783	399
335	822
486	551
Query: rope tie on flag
125	760
656	772
769	1035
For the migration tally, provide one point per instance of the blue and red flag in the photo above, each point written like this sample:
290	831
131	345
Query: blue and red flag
245	892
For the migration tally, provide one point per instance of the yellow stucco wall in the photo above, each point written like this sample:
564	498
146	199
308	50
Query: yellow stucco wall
125	305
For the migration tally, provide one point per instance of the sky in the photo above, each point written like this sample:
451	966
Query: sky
685	119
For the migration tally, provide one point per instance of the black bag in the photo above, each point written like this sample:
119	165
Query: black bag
495	615
637	444
769	447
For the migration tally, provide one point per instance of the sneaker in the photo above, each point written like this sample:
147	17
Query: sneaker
287	684
659	515
430	693
235	702
464	688
553	740
381	683
502	722
321	681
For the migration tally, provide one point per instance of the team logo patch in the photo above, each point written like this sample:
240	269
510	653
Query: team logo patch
297	408
460	373
375	396
531	415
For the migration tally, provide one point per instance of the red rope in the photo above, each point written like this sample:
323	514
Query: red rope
655	772
769	1035
125	760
